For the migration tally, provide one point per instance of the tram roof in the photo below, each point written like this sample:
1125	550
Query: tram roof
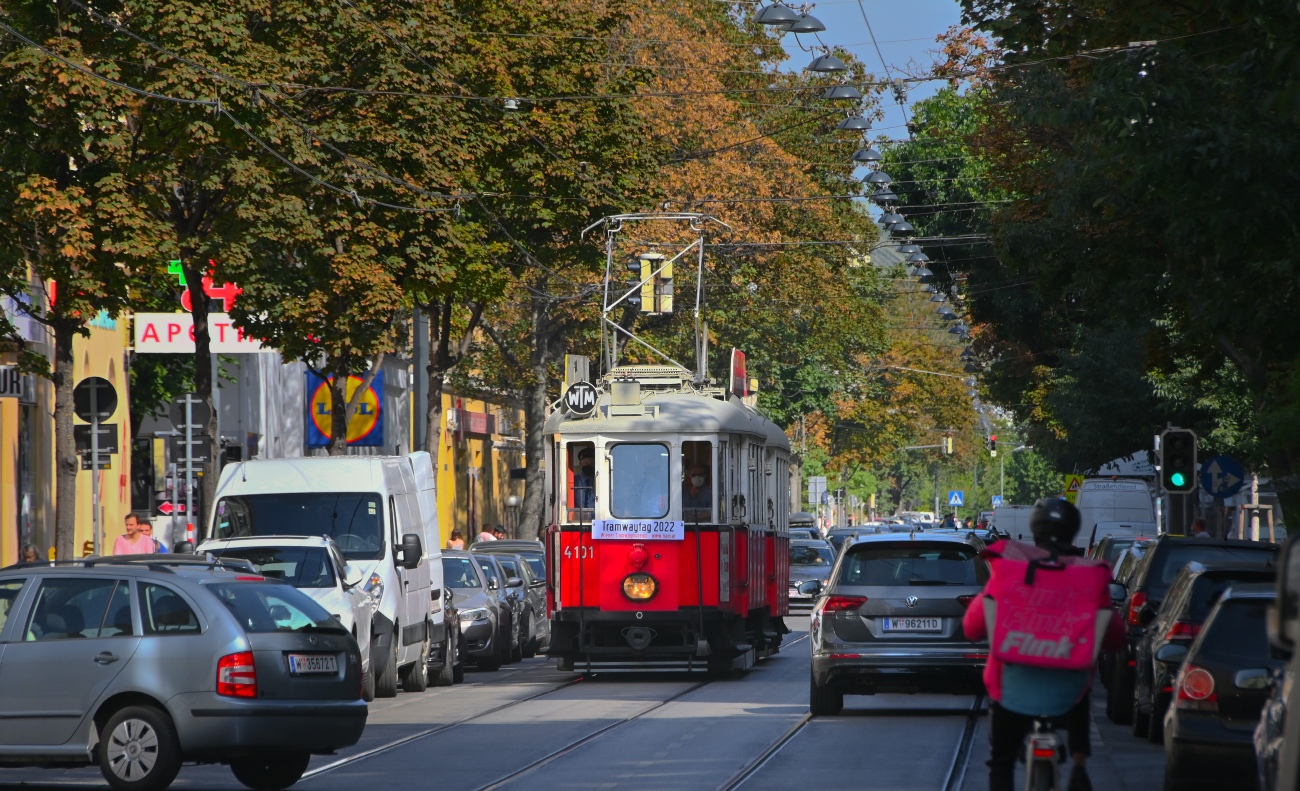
678	412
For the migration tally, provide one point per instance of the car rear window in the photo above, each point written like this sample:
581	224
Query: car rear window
273	607
1236	634
913	563
1172	559
1116	548
811	556
1207	589
301	567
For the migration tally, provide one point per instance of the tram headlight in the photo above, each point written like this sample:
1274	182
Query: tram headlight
639	587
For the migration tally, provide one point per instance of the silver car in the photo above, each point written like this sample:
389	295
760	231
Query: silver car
890	619
809	560
139	663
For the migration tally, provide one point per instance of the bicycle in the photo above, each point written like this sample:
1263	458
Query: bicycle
1044	753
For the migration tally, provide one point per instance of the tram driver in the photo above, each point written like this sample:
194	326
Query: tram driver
697	495
584	476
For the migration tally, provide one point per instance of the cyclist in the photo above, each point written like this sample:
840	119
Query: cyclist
1020	692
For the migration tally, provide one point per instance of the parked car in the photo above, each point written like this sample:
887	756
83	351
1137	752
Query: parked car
1110	549
809	560
1277	741
508	601
1219	691
1102	530
380	510
138	663
532	600
476	610
314	565
534	557
803	533
1145	589
1193	593
890	619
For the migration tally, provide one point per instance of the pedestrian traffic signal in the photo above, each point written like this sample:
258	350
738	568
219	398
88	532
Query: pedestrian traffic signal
1178	461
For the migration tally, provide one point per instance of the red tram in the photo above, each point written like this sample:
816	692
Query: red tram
669	530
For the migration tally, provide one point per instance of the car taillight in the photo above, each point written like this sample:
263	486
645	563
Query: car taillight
839	603
1196	690
1134	607
236	675
1183	630
966	600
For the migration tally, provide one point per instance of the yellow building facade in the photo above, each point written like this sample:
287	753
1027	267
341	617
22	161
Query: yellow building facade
480	443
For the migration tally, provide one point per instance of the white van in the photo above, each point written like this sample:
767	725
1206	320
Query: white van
1012	521
1113	500
382	513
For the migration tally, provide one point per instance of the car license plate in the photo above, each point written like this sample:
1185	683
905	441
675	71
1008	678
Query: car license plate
301	664
913	624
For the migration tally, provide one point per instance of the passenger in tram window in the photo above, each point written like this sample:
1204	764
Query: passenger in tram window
697	494
584	492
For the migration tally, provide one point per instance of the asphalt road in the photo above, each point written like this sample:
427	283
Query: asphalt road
531	727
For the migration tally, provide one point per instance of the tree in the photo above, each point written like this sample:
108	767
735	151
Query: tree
74	232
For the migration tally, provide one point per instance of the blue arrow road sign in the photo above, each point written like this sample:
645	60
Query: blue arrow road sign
1222	476
956	498
997	500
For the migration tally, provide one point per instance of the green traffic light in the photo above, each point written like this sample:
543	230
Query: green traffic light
1177	479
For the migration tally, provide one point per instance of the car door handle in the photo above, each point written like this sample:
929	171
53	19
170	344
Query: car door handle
106	658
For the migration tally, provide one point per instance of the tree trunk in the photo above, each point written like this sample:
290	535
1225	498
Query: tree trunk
433	417
204	381
532	514
338	444
65	447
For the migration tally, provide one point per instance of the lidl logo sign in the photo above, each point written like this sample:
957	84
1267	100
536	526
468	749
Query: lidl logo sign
366	427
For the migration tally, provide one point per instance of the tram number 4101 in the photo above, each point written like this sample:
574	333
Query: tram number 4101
581	553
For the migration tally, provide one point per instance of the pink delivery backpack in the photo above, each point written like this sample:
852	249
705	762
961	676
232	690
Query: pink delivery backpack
1043	611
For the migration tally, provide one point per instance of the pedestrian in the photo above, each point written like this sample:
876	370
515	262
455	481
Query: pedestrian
31	554
484	535
135	542
1198	529
499	532
457	541
159	548
584	480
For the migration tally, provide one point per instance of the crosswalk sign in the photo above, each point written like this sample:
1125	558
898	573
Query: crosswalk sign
997	500
956	498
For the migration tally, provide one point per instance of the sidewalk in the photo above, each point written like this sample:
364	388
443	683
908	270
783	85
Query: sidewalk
1120	762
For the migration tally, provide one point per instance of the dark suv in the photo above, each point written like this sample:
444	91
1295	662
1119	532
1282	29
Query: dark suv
137	663
1195	591
1145	590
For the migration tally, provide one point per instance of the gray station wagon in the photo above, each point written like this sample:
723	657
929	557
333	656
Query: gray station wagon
139	663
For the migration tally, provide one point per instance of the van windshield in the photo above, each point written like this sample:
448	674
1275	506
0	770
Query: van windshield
355	520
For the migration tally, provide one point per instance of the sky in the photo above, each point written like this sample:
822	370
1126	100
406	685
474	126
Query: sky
904	30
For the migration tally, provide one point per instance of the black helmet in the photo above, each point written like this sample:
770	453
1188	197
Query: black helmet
1054	521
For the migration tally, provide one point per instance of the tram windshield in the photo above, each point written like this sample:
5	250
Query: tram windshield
581	496
638	486
697	482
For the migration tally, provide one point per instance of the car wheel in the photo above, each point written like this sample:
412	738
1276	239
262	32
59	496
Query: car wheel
517	650
529	649
446	675
386	679
824	701
138	750
415	676
271	772
368	683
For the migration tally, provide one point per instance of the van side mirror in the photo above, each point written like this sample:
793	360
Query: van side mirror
352	575
1284	635
412	550
514	582
1171	653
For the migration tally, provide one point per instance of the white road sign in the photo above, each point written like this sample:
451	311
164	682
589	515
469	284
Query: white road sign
173	333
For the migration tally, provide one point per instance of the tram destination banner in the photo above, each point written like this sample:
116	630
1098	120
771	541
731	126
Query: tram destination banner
641	529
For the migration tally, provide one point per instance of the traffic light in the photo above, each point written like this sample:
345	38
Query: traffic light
657	290
993	444
1178	461
947	445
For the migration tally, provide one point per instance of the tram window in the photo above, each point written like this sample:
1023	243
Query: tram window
582	481
697	482
638	485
